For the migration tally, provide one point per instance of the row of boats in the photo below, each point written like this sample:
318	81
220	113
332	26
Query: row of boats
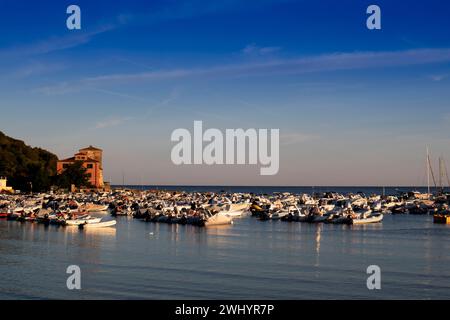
33	209
328	207
210	209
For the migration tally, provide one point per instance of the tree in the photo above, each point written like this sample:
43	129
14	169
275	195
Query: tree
23	165
73	174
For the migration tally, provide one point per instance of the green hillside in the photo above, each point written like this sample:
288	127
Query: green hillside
23	164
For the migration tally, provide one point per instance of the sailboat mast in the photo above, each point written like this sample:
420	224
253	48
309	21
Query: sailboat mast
428	173
430	168
446	172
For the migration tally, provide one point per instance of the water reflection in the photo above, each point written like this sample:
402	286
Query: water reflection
318	234
96	232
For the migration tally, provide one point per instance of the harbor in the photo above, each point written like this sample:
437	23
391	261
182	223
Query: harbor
205	209
220	242
252	258
222	159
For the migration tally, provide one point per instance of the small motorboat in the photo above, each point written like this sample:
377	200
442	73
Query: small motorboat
104	224
85	220
370	219
441	218
217	219
258	210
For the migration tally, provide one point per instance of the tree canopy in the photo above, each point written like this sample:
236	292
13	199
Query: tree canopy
74	174
26	166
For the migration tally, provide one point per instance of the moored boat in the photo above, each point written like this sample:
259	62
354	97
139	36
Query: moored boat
441	218
84	220
370	219
101	224
217	219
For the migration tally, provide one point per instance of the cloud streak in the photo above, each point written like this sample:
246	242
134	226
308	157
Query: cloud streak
167	12
55	43
253	49
319	63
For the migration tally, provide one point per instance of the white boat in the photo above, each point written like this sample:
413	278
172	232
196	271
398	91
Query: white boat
359	201
370	219
234	214
104	224
234	210
238	206
87	220
218	219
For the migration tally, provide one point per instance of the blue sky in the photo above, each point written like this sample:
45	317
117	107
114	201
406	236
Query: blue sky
354	106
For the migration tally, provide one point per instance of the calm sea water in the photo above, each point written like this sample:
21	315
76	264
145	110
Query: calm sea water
248	260
272	189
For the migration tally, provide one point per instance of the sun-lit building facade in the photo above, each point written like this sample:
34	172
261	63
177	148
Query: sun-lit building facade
91	158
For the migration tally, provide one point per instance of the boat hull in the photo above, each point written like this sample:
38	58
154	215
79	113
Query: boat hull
104	224
218	220
82	221
373	219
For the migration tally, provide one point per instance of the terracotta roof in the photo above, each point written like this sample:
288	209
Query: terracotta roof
72	159
91	148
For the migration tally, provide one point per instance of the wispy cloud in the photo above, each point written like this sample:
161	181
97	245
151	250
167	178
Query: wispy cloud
167	11
170	10
253	49
120	94
173	95
318	63
111	122
53	44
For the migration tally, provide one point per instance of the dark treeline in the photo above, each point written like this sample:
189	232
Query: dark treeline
27	167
